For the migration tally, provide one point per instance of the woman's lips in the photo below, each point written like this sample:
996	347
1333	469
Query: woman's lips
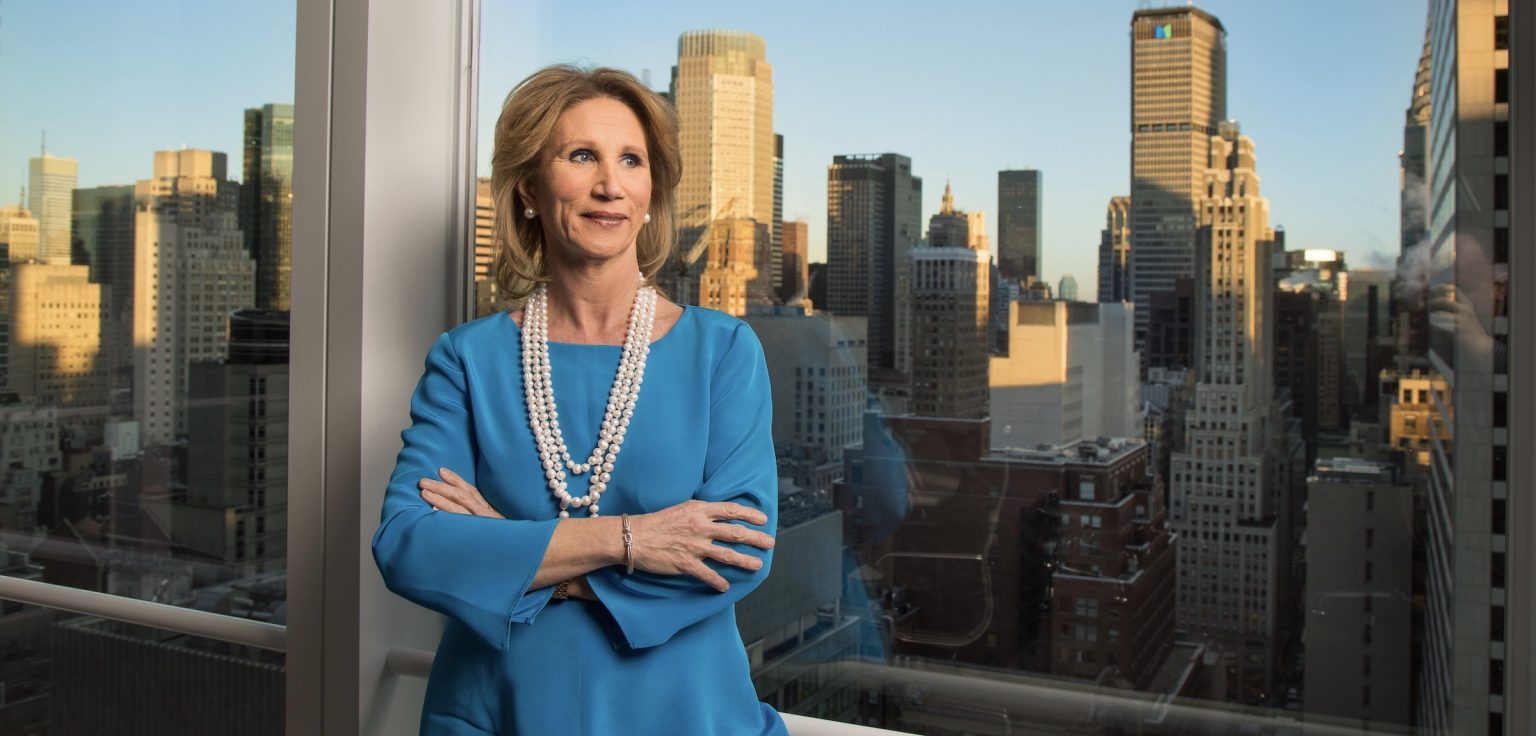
606	219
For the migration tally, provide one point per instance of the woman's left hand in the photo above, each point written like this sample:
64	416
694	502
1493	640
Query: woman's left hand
455	495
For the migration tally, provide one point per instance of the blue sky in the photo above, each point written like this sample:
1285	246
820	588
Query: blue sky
963	88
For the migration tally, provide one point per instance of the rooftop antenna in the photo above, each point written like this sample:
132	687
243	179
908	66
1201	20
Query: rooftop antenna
45	141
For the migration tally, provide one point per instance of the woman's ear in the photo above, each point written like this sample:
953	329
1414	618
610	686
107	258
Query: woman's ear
525	196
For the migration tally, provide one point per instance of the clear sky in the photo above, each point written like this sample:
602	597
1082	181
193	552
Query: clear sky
963	88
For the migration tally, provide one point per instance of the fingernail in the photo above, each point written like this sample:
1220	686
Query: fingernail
444	471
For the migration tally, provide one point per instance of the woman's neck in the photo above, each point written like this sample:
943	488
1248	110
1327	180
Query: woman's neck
592	305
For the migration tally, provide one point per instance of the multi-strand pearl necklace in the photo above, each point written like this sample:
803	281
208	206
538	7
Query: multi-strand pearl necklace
540	394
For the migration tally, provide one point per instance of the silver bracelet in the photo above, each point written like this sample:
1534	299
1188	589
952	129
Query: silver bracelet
629	546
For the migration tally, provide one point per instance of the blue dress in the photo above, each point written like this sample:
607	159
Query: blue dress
660	654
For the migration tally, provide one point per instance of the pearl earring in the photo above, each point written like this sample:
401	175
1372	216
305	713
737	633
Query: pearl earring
529	213
647	217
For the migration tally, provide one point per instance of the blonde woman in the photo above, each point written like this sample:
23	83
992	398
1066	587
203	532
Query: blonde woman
588	483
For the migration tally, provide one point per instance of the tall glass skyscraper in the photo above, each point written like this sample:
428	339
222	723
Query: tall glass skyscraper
266	200
1018	223
874	219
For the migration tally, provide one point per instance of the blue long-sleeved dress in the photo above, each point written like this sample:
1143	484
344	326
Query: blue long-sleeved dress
660	654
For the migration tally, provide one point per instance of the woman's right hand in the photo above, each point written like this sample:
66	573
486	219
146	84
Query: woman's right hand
677	539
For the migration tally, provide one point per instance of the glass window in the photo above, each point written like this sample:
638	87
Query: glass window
977	407
145	240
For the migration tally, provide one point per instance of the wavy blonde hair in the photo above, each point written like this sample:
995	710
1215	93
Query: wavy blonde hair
523	130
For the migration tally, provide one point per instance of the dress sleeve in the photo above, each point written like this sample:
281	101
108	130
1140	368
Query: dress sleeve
739	466
474	569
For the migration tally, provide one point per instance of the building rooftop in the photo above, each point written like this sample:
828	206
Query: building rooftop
1099	451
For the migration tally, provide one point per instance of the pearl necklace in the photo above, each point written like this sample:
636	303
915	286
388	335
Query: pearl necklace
540	394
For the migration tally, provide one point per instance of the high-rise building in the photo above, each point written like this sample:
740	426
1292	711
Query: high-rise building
19	233
976	231
1178	96
1359	594
950	346
191	270
1410	312
1018	223
722	88
1308	320
1115	252
1069	374
874	220
1225	499
1066	288
775	266
55	356
50	192
794	281
18	239
235	508
818	370
266	201
29	451
1477	618
1367	333
950	228
103	234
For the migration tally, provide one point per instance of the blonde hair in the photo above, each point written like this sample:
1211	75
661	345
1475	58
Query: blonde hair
523	130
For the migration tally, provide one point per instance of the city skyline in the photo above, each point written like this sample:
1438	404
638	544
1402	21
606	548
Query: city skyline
1352	208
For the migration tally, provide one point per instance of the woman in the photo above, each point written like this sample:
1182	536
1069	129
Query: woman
586	593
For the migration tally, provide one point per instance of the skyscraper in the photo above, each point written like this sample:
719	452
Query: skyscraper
50	188
18	235
874	219
266	201
1066	288
722	88
776	255
191	270
950	346
1178	96
1477	616
1018	223
103	233
1115	252
1225	499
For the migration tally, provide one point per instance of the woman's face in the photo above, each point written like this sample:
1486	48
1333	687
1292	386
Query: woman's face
595	186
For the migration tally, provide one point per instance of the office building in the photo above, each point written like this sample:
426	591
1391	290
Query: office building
1359	595
1475	620
1115	252
1178	96
874	207
191	270
50	193
1019	223
817	368
1226	495
722	89
950	346
1069	374
266	201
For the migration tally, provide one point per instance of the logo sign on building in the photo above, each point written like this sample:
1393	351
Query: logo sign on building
1162	30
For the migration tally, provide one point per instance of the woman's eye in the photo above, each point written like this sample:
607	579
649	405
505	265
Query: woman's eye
581	156
631	159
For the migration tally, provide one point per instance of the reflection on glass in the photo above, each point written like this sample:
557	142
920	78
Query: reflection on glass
144	360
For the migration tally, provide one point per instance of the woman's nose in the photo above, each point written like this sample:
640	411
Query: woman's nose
608	185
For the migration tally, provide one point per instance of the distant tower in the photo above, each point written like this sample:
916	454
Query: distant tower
722	88
1018	224
51	187
1066	289
191	270
266	201
874	219
1178	96
1115	252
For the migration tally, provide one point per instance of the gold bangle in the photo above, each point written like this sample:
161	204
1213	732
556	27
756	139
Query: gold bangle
562	590
629	546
